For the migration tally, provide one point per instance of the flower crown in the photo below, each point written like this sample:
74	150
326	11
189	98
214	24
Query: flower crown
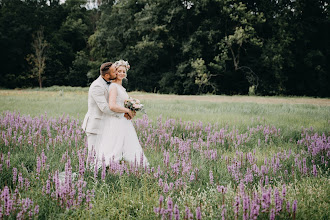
122	63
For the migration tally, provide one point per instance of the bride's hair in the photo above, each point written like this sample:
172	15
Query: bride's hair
122	63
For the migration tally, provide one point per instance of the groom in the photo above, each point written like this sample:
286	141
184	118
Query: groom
98	98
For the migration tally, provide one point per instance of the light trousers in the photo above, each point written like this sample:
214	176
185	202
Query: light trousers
91	140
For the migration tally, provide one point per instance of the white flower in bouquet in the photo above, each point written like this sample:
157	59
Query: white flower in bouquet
134	105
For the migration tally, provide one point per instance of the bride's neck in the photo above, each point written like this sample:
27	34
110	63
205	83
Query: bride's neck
120	82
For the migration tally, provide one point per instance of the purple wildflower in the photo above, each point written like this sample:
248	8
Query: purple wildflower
236	206
223	212
211	177
314	170
288	207
160	182
14	175
272	214
165	188
103	168
284	190
36	210
192	176
198	213
294	208
176	212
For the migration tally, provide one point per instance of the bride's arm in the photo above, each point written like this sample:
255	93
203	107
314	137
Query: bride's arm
113	105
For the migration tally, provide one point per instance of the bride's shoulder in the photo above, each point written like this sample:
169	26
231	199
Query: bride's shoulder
113	85
116	86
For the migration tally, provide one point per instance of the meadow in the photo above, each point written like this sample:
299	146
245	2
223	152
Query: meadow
211	157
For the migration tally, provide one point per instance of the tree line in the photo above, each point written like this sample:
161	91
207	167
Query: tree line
278	47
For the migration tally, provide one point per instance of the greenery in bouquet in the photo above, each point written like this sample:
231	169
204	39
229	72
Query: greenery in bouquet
134	104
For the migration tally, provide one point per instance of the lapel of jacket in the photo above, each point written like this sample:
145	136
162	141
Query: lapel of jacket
101	81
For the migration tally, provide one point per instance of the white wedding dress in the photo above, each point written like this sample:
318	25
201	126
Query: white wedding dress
117	139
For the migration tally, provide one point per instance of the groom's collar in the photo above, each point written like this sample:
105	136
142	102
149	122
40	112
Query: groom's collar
107	82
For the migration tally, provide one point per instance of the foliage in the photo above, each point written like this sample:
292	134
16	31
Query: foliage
275	47
38	59
202	76
80	66
196	169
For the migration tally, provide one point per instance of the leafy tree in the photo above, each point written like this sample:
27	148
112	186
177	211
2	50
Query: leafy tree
184	47
15	42
69	37
38	58
202	75
78	72
310	72
240	35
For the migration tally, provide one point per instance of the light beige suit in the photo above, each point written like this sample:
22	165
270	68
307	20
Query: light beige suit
98	98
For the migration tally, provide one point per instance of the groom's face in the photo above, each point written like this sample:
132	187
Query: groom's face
113	72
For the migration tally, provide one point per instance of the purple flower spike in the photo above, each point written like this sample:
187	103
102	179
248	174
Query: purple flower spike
198	213
187	211
160	182
236	205
294	206
165	188
223	212
103	168
176	212
284	190
222	189
192	176
161	199
156	210
95	169
272	214
211	177
314	170
288	207
36	210
14	175
169	204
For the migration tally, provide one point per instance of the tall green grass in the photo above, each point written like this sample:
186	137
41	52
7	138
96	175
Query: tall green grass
289	117
127	197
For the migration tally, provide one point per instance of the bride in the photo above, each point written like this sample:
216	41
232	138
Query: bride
118	139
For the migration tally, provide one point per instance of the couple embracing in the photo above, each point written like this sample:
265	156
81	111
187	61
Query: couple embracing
108	124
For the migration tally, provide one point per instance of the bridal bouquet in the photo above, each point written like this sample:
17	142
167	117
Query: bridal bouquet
134	104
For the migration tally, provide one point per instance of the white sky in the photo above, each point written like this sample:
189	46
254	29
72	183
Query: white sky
90	4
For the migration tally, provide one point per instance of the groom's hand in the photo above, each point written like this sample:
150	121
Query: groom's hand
127	116
130	113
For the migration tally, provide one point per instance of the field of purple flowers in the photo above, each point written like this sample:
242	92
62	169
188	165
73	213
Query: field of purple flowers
197	171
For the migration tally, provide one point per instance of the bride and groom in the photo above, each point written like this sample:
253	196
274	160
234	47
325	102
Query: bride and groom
108	124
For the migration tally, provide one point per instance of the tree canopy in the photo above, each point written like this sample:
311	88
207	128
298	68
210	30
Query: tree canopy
182	47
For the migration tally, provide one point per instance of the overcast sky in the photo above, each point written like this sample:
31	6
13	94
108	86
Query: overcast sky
89	5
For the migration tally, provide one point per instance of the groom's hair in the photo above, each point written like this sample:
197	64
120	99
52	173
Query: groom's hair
105	67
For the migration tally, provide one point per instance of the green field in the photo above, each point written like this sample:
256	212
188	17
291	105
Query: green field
252	127
224	110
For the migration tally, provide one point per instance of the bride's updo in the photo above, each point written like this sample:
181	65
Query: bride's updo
122	63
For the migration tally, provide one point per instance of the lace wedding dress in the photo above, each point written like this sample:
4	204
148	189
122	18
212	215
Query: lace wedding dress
118	139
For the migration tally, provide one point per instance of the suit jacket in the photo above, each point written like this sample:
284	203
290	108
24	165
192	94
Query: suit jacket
98	104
